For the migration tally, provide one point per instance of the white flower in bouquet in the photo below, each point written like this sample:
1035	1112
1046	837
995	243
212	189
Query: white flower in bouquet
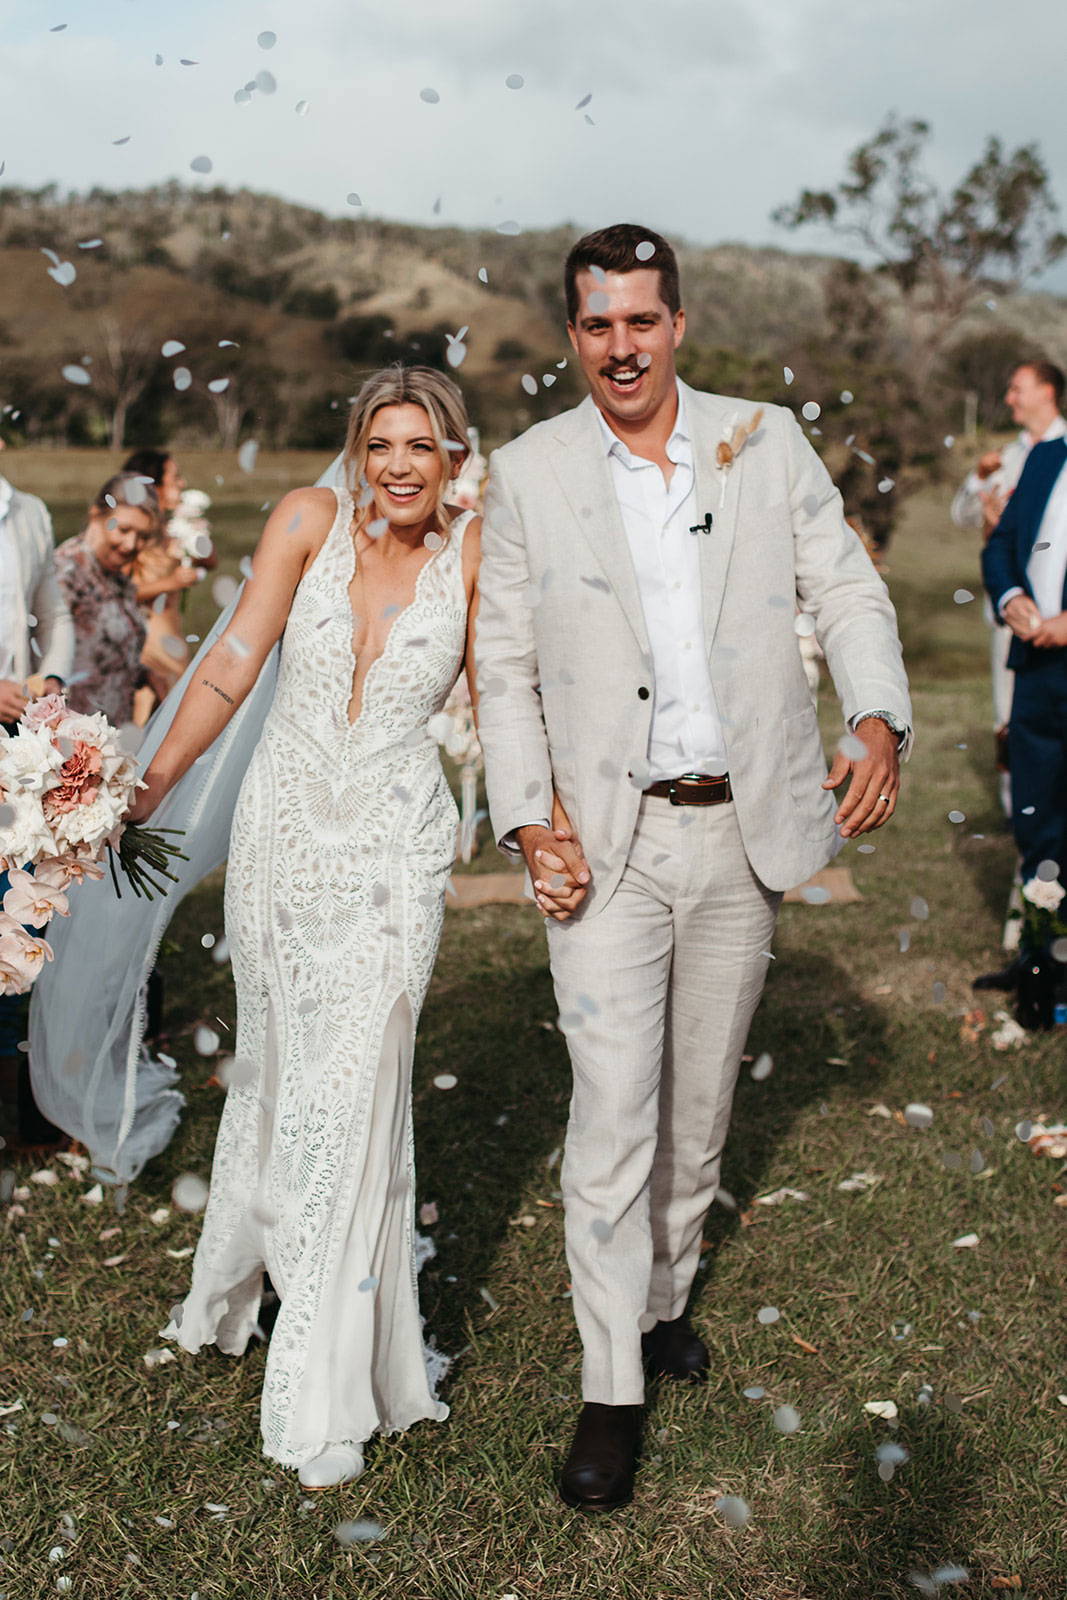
32	899
24	833
194	502
28	762
1046	894
190	528
455	730
21	957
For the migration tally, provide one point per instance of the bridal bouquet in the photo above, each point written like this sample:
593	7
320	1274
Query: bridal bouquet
190	527
65	786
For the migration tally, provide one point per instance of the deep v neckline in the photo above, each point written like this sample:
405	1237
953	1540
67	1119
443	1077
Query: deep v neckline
353	722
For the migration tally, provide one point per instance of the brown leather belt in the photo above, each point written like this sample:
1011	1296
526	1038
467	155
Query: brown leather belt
693	789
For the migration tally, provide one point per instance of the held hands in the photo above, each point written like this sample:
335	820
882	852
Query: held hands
1051	633
1022	616
871	798
557	866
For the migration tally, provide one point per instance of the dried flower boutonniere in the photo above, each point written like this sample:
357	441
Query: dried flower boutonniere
732	443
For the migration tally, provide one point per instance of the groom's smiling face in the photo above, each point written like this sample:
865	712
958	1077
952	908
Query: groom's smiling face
625	338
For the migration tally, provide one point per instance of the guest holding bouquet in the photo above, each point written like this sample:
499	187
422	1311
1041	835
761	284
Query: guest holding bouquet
165	566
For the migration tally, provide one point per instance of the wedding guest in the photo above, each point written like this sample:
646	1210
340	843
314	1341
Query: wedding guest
109	629
36	653
1034	397
1024	565
161	574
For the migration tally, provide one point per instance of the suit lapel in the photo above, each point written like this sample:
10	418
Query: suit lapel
709	418
581	467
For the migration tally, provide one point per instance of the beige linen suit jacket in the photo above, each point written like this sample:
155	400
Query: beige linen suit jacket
564	668
39	595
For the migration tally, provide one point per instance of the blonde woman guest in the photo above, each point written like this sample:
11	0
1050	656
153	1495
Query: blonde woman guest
161	575
91	570
342	841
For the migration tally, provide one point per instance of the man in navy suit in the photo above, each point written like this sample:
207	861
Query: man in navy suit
1024	565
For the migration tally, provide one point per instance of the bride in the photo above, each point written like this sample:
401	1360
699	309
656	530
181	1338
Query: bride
342	842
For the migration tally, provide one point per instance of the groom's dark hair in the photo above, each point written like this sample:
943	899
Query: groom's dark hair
615	249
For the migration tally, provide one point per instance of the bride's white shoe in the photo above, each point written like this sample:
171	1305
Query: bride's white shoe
338	1463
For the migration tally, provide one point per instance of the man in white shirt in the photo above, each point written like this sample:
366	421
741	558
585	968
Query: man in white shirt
643	559
1024	565
36	656
1034	397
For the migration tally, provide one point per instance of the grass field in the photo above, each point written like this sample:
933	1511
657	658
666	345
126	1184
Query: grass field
147	1483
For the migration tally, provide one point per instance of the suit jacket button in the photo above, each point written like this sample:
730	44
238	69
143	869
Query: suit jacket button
642	693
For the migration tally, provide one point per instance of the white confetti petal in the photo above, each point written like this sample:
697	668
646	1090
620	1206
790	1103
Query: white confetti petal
189	1192
733	1510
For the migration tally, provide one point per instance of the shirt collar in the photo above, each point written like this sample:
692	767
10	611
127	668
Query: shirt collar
1057	429
679	445
7	492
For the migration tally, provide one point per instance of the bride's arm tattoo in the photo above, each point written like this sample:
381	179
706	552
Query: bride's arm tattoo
209	685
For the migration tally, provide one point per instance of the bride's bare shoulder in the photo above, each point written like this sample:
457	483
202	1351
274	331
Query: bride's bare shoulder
308	512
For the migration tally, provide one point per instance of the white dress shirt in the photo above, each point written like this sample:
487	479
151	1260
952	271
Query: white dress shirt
11	619
967	504
1047	568
686	732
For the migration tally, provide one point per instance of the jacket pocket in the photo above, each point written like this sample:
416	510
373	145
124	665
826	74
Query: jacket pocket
806	771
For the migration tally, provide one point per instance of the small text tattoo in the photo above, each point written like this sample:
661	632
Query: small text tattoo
209	685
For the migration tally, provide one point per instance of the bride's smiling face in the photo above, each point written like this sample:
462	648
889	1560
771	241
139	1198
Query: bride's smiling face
404	467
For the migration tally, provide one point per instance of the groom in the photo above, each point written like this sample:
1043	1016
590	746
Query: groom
643	560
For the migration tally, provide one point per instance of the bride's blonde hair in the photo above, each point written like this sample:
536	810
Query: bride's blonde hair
442	401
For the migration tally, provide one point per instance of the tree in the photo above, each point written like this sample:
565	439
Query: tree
126	357
996	229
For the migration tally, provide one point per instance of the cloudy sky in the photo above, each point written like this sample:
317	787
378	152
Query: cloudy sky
703	115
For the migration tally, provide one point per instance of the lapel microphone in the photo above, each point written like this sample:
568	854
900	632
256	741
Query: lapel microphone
705	526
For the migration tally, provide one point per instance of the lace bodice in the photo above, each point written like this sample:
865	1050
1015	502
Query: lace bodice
404	687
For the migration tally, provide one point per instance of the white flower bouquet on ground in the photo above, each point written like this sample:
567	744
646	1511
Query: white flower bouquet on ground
66	782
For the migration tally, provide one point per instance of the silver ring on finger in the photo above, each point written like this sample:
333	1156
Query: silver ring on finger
883	799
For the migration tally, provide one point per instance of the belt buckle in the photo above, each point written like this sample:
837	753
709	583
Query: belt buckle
674	789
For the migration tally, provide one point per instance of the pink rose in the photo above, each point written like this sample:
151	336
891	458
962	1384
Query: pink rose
47	712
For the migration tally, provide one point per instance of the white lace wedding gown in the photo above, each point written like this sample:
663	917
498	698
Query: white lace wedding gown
343	839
